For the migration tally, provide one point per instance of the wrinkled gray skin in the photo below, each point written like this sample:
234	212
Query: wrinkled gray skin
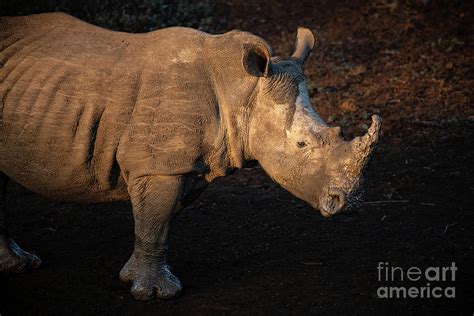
92	115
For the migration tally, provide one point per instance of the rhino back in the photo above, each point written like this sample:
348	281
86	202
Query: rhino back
67	91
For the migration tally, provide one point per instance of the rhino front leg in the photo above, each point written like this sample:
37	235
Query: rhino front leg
155	203
13	259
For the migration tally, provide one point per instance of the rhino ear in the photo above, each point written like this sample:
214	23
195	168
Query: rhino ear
304	43
256	59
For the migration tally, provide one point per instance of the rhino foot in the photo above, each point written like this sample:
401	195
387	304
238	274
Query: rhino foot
13	259
150	281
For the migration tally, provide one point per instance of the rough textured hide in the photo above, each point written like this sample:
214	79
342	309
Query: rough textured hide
92	115
70	91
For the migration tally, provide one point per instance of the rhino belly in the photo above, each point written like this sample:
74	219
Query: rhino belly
54	132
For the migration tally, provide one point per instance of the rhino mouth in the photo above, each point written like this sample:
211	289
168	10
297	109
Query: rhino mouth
336	202
332	202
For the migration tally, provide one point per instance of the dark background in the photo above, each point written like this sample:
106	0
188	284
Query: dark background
247	246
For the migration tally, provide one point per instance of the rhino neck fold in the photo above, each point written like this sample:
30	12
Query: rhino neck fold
233	132
234	91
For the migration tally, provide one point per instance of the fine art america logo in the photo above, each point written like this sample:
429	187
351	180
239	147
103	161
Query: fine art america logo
415	282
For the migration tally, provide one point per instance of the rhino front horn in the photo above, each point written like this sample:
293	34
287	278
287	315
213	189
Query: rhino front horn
303	45
366	145
374	128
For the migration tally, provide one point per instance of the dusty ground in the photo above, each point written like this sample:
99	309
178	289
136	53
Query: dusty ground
247	246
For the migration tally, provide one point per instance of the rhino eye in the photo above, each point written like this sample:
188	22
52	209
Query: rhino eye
301	144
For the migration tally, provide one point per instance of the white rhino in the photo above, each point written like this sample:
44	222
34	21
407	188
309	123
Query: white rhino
92	115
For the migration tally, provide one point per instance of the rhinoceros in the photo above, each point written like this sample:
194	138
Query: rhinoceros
93	115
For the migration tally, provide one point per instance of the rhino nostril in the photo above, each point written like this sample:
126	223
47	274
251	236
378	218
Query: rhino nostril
301	144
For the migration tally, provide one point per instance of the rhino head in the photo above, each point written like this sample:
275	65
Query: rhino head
292	143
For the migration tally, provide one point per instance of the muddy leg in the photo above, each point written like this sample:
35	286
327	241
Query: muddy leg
13	259
155	202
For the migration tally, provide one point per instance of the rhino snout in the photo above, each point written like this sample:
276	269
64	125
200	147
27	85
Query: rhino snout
332	202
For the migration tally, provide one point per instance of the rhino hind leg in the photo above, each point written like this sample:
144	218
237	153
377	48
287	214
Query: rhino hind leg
13	259
154	201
